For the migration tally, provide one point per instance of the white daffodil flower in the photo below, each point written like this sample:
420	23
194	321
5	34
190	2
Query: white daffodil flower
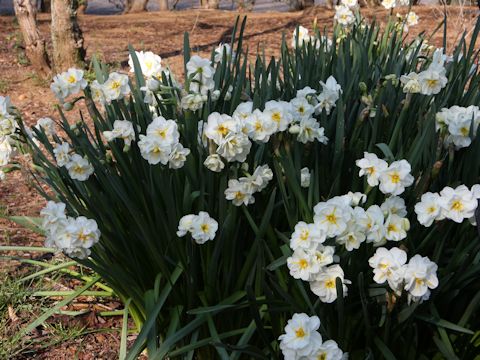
79	168
388	266
324	284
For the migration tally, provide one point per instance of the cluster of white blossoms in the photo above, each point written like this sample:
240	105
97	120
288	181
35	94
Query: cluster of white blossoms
302	37
8	125
73	236
417	277
390	4
231	136
68	83
161	144
150	64
47	125
200	73
241	191
122	129
393	178
430	81
344	15
302	341
201	227
151	67
350	225
454	204
116	87
404	22
222	49
458	124
79	168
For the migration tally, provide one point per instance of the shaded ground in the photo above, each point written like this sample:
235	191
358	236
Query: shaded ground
108	37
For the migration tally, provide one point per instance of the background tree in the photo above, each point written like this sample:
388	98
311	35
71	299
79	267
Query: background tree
163	5
67	37
135	6
44	6
26	14
210	4
303	4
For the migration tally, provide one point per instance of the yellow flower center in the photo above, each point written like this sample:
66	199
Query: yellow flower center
304	235
276	116
301	109
300	333
432	82
303	263
82	237
392	227
72	79
322	356
78	169
431	209
115	85
205	227
371	170
331	218
419	282
330	284
457	205
162	133
258	126
239	195
395	177
465	131
222	129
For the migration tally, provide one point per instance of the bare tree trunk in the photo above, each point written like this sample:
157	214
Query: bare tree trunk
213	4
163	5
82	6
34	43
67	37
135	6
45	6
210	4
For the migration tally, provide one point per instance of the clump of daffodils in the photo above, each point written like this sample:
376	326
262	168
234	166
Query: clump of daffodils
417	277
263	150
70	82
454	204
458	125
200	73
302	340
392	179
349	225
430	81
241	191
78	167
201	227
161	144
73	236
8	126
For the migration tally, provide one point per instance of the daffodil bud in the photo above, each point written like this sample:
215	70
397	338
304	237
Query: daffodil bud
153	85
294	129
215	95
67	106
363	87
